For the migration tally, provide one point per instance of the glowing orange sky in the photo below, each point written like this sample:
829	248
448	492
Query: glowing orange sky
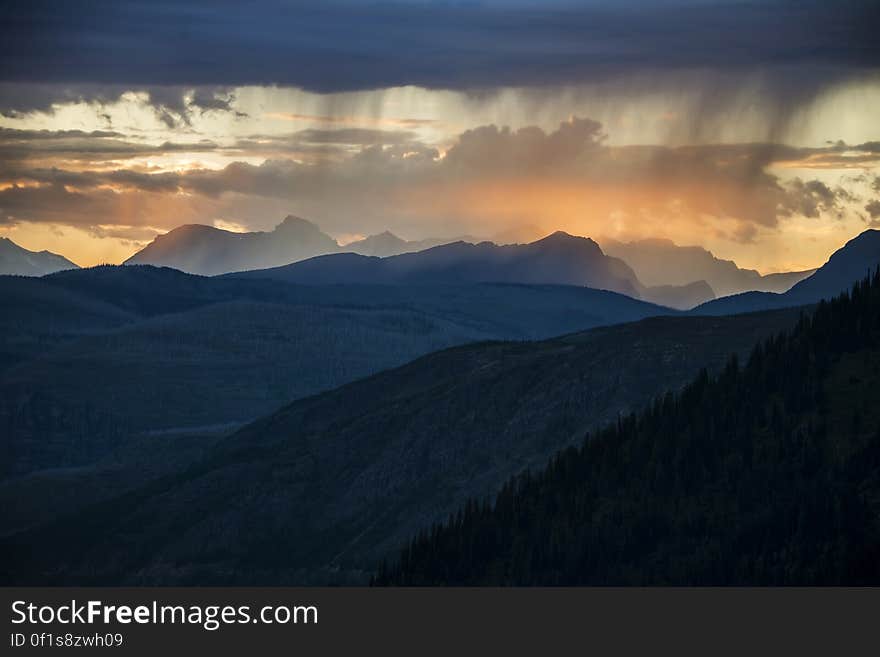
248	170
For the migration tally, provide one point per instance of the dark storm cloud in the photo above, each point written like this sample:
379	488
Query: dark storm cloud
336	46
173	105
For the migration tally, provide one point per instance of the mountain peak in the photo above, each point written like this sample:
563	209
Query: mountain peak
201	249
19	261
560	237
867	239
296	223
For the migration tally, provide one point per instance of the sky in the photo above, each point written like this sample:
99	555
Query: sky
748	128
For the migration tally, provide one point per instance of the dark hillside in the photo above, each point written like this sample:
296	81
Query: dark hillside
766	473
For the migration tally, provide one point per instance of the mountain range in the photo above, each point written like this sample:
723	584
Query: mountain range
298	424
558	259
857	258
206	250
18	261
662	262
388	244
173	352
656	270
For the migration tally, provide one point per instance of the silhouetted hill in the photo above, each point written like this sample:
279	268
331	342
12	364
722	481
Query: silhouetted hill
559	259
38	315
662	262
18	261
169	351
322	489
855	259
767	474
207	250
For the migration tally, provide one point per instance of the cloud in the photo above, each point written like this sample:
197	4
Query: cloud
350	120
79	145
173	105
352	45
528	150
13	135
490	176
356	136
873	209
810	198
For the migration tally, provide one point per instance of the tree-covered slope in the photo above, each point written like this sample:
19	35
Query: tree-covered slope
323	489
768	473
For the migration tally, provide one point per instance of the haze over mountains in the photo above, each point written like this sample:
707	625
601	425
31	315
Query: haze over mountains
654	270
559	259
206	250
388	244
662	262
857	258
18	261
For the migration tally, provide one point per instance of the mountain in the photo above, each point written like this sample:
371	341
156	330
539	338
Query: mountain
559	259
321	490
17	261
763	474
173	352
681	297
659	262
855	259
381	245
206	250
388	244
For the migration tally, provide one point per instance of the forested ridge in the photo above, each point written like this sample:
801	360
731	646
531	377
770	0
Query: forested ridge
767	473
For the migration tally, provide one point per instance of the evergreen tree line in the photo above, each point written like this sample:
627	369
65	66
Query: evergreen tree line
767	473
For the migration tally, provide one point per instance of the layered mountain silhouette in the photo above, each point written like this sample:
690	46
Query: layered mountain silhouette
205	250
662	262
18	261
199	249
322	489
559	259
855	259
655	270
169	351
